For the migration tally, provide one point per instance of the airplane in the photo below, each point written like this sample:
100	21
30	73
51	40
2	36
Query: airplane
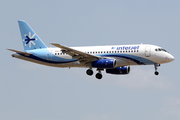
114	59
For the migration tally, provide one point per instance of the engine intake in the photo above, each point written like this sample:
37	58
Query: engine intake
104	63
119	70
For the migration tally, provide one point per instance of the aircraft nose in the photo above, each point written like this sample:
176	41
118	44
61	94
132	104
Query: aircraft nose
170	58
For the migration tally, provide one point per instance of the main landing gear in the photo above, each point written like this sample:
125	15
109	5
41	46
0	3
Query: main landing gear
98	75
155	66
89	72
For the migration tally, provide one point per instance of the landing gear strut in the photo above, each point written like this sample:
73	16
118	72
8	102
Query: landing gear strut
155	66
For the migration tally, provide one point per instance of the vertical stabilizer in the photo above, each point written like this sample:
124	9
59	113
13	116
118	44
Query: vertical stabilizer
29	37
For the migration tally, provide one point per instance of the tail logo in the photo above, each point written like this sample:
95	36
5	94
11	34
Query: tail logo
29	39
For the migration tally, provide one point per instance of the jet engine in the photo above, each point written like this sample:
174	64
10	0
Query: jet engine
119	70
104	63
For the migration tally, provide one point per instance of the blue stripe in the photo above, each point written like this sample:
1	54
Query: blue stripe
136	59
47	61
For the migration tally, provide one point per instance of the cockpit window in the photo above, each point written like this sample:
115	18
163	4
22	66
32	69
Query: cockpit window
160	49
164	50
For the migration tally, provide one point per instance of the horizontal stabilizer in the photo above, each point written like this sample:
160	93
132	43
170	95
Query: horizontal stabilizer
20	52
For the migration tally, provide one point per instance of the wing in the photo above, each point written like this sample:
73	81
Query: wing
20	52
80	56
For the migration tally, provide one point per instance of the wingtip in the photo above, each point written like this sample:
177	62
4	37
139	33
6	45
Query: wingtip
8	49
54	43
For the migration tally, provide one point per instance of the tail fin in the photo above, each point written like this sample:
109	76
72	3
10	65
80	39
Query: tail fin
29	37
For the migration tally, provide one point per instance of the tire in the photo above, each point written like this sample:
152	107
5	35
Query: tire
156	73
98	75
89	72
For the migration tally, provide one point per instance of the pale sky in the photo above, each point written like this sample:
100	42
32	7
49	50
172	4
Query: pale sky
29	91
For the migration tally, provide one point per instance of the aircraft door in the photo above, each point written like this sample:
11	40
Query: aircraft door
148	51
49	55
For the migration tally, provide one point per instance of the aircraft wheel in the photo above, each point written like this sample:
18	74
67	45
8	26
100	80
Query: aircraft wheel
89	72
98	75
156	73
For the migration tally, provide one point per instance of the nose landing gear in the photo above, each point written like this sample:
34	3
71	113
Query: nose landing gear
156	73
155	66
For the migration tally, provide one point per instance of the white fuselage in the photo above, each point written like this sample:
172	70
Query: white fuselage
140	54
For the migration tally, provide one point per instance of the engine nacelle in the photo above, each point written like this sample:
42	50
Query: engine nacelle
119	70
104	63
